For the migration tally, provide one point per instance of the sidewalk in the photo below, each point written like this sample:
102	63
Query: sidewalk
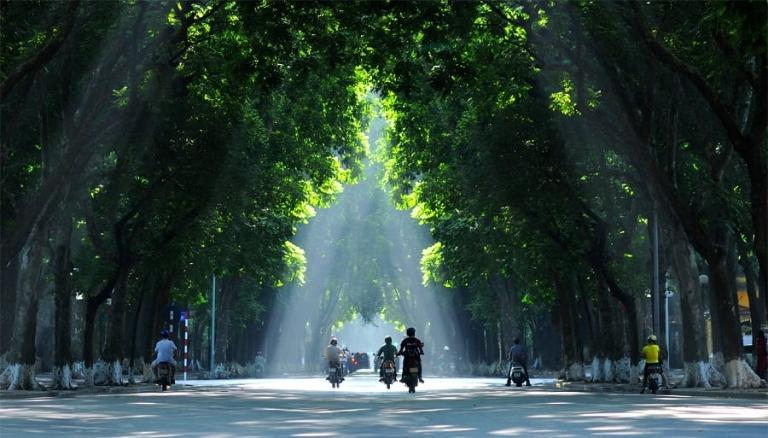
45	380
626	388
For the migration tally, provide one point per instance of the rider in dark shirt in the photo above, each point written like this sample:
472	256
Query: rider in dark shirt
411	348
517	354
389	352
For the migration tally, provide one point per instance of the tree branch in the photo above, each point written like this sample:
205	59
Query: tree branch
45	55
678	65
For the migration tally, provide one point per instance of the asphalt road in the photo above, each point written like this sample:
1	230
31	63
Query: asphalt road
363	407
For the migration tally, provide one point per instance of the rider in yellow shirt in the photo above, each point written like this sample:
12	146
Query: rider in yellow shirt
652	356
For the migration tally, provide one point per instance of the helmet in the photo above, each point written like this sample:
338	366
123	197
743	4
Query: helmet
388	340
334	341
164	333
411	331
651	338
446	348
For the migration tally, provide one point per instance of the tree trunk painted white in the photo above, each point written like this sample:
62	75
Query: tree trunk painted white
597	371
575	372
107	373
715	374
78	370
20	372
636	375
147	372
696	375
100	373
738	374
19	377
88	376
609	370
131	380
116	373
62	378
624	370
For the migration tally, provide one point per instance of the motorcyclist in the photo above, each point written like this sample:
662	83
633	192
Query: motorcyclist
165	351
388	351
333	357
518	355
411	348
260	363
652	356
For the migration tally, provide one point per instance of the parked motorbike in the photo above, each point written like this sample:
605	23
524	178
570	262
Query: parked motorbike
517	374
390	372
335	373
654	378
164	375
411	375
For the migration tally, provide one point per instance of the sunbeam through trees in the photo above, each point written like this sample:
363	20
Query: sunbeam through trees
579	175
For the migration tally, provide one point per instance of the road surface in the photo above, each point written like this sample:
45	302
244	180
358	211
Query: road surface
364	407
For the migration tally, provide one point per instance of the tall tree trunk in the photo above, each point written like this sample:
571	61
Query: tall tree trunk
91	310
757	166
737	372
156	318
507	297
573	361
611	341
137	314
62	266
695	361
114	352
629	307
756	299
589	324
8	287
228	295
20	373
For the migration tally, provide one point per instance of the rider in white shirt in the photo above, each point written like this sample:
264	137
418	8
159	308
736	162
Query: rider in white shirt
165	351
333	356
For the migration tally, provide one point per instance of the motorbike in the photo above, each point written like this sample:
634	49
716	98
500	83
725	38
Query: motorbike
390	372
654	378
516	374
259	370
411	375
164	375
335	372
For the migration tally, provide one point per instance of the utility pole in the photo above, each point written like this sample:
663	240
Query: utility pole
213	322
655	243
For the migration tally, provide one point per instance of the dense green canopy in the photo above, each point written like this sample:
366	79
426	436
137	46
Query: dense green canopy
147	146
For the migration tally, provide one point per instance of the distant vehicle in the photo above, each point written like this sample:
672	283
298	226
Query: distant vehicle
356	361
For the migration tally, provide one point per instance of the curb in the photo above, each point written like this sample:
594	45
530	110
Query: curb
753	394
94	390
